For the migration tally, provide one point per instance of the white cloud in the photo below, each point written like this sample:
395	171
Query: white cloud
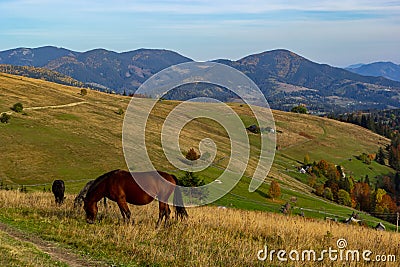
205	6
241	7
320	30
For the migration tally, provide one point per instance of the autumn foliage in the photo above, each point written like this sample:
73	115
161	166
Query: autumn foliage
192	154
274	190
379	199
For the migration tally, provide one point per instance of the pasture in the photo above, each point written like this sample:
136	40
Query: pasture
77	143
210	237
84	141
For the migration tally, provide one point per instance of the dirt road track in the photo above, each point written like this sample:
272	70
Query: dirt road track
52	249
47	107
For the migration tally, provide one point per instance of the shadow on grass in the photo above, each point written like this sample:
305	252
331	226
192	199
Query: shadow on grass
262	194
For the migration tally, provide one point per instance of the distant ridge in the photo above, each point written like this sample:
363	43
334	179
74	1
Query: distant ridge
285	78
288	79
105	69
388	70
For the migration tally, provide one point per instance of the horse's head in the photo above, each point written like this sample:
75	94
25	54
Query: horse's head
91	210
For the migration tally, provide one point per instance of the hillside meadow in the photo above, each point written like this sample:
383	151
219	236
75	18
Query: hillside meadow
210	237
65	135
83	141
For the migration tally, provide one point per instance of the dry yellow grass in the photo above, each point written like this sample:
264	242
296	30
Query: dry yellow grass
211	236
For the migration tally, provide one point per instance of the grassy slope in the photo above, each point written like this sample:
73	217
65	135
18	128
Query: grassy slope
211	236
71	143
81	142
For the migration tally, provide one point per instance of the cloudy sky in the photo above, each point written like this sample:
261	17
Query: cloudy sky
337	32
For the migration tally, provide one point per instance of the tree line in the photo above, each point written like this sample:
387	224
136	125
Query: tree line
40	73
384	122
379	198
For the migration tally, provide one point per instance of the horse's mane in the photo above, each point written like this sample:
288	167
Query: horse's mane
99	180
81	196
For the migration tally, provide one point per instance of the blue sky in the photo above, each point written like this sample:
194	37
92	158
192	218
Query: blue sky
338	32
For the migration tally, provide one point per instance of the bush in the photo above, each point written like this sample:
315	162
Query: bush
299	109
17	107
83	92
120	111
192	155
254	129
365	158
328	193
344	198
4	118
319	190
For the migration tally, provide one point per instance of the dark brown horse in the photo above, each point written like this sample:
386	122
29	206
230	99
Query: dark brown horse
58	189
119	186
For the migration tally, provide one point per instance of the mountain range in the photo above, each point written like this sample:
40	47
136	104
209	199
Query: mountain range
388	70
101	68
285	78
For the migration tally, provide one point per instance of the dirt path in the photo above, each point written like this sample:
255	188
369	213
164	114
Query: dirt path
46	107
57	106
52	249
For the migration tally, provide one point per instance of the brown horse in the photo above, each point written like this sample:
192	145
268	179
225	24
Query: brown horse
119	186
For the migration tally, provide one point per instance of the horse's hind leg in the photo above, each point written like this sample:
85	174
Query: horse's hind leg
164	211
161	212
123	207
167	213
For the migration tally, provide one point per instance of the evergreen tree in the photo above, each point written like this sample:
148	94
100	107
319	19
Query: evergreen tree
192	182
397	181
380	156
367	180
347	184
364	121
394	153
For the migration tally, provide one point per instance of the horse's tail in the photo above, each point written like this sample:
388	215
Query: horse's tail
180	210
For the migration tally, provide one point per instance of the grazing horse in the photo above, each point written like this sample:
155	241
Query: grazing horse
82	194
58	189
121	187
